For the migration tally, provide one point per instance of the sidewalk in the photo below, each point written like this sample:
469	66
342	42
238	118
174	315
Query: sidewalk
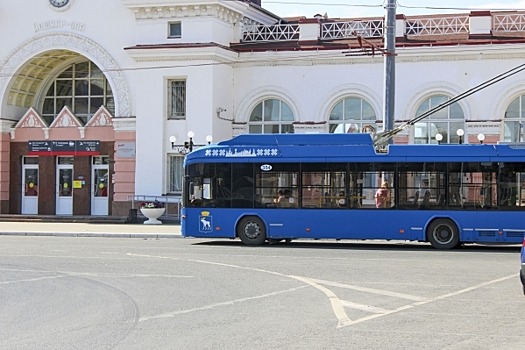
66	229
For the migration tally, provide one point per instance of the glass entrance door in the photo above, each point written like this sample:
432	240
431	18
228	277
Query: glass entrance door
100	186
64	186
30	186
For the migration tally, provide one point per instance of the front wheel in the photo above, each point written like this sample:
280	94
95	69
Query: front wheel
443	234
251	231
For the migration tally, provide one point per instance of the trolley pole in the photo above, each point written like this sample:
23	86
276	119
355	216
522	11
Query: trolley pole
390	67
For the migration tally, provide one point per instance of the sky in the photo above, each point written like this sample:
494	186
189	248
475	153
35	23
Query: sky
375	8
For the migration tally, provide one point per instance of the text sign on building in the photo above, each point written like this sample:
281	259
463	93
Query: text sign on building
63	148
125	149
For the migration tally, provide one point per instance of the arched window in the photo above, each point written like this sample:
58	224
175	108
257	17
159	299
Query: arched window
514	120
445	121
271	116
351	115
83	88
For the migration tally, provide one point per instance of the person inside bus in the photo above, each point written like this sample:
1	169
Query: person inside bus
341	201
279	197
382	196
288	200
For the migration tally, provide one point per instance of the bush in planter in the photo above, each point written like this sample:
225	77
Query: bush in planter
150	205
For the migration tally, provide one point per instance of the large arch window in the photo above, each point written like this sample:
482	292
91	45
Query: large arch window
83	88
514	120
351	115
271	116
445	121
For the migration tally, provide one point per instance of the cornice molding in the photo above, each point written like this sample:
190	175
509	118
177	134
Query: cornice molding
6	125
187	10
124	124
211	53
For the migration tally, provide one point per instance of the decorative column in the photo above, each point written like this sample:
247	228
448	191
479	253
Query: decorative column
123	176
5	139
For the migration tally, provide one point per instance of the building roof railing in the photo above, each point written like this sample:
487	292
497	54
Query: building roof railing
325	29
510	22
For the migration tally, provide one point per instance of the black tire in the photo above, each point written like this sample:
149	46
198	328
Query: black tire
443	234
251	231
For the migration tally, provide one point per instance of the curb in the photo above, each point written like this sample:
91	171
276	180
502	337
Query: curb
93	234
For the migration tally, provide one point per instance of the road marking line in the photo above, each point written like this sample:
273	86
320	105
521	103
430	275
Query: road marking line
431	300
372	290
337	305
212	306
32	279
363	307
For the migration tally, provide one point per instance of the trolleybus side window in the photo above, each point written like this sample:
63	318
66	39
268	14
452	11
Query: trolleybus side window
281	177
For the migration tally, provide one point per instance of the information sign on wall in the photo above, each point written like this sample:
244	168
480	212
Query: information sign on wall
64	148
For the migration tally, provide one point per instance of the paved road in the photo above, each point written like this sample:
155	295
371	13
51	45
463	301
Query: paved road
66	229
104	293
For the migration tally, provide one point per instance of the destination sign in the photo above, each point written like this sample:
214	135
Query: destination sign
64	148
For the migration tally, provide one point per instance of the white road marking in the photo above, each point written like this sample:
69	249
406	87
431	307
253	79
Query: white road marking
431	300
364	307
32	279
372	290
336	303
213	306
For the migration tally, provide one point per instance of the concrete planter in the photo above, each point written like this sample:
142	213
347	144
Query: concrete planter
152	214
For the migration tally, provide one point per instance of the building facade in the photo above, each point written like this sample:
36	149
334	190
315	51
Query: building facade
100	100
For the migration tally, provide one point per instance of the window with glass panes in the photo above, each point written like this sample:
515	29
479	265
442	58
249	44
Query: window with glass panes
445	121
271	116
514	120
174	30
351	115
176	99
83	88
176	173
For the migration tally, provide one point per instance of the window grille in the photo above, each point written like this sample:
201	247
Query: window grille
177	99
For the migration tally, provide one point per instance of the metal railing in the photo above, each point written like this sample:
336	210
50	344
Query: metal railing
278	32
171	203
341	30
508	23
374	28
437	26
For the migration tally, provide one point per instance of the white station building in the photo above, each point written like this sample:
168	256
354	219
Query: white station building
100	99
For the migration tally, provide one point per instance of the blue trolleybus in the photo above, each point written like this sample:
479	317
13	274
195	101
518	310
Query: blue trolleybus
272	187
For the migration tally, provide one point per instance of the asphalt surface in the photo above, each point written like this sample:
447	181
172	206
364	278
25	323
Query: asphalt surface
66	229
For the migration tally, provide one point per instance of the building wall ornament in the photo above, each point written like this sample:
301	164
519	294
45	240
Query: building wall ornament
77	43
179	11
489	127
125	124
65	119
101	118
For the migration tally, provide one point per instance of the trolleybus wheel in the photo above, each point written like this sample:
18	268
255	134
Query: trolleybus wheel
443	234
251	231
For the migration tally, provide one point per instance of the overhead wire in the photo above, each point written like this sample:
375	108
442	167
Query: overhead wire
382	138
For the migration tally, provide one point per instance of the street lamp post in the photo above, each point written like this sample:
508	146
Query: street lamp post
481	138
460	133
189	144
439	138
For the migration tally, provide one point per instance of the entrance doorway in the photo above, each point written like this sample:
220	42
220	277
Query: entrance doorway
30	186
100	186
64	186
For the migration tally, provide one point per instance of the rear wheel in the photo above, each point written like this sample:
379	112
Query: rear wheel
251	231
443	234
